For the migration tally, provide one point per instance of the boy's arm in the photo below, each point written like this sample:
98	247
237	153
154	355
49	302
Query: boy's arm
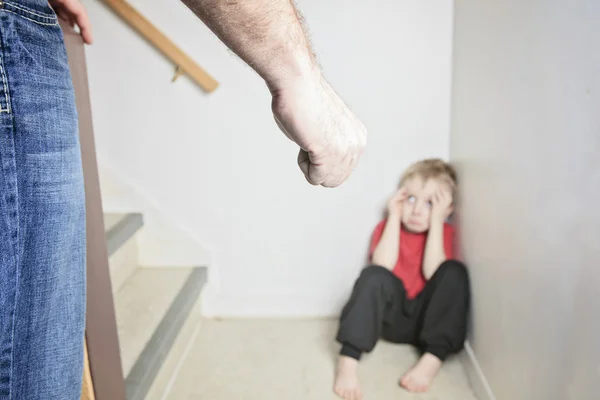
386	251
435	254
387	248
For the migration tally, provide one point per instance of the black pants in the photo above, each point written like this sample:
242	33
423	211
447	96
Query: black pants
435	321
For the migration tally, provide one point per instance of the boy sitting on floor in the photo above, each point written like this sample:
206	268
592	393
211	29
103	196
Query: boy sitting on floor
413	292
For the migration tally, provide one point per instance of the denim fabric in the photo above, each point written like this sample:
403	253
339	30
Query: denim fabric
42	210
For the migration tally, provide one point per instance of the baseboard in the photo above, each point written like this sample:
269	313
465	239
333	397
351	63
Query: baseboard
267	305
478	381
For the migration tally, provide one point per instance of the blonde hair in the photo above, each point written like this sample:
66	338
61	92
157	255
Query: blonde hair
432	168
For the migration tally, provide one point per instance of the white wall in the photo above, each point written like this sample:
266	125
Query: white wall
219	167
526	140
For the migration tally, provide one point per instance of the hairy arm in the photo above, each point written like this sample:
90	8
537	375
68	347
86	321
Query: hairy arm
267	34
435	254
386	251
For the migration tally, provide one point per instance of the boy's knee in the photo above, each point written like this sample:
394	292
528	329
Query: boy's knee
454	270
373	275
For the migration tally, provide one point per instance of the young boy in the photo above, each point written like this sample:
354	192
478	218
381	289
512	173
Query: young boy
413	292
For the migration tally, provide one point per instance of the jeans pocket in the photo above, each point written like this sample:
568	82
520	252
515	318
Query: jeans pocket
45	16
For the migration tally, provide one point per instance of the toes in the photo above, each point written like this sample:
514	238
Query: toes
405	382
409	384
349	395
413	385
340	392
352	393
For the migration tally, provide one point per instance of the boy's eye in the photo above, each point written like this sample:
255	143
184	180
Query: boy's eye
411	199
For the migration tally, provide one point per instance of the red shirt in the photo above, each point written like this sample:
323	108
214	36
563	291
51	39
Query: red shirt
410	259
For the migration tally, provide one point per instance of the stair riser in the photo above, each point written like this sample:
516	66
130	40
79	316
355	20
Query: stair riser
123	263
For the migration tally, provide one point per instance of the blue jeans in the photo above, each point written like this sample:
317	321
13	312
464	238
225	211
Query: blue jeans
42	210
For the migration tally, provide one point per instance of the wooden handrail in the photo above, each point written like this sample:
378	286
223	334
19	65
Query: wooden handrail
181	60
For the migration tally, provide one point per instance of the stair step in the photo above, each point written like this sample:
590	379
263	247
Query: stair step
120	228
151	308
121	231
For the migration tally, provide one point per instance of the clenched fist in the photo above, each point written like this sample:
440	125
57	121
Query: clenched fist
331	138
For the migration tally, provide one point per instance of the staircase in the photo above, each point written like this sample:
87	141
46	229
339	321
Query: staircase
151	304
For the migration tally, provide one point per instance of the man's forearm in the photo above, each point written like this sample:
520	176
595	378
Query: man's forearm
434	250
267	34
386	251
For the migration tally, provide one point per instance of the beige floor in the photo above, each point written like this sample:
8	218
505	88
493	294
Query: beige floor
291	360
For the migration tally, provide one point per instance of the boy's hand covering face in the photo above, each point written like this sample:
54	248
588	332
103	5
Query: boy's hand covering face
441	205
396	202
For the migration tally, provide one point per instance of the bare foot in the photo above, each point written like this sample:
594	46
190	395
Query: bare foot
346	381
419	377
